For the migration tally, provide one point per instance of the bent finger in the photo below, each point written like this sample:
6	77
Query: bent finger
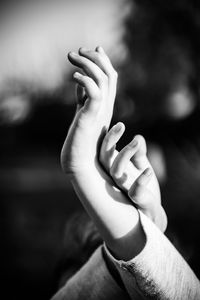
91	89
100	58
139	193
109	144
122	159
145	200
89	67
139	159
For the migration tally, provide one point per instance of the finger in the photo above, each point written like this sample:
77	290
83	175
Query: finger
90	68
111	73
100	58
139	159
145	200
109	144
92	91
122	159
140	195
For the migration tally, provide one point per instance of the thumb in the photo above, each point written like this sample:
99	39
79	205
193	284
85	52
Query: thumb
145	201
139	193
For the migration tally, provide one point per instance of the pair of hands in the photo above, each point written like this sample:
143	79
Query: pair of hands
89	145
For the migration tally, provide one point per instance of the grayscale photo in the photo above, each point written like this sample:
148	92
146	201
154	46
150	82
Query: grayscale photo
100	149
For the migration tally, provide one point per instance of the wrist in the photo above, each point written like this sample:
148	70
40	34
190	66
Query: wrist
130	245
75	165
82	169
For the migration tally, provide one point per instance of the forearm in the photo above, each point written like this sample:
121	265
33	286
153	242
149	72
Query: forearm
116	218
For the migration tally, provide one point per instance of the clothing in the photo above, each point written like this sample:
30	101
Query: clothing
157	272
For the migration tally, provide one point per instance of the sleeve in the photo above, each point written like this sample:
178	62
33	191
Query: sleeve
92	282
158	271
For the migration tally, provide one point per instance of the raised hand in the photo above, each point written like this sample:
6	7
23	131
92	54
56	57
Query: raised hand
97	83
112	211
132	172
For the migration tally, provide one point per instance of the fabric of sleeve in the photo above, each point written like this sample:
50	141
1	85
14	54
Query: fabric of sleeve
92	282
158	271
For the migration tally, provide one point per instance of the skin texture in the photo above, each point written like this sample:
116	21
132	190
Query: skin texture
99	188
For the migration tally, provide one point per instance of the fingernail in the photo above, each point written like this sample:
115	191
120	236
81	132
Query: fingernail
133	143
100	49
72	54
117	127
83	49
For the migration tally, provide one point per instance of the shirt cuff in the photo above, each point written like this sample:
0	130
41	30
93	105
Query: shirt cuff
158	270
92	281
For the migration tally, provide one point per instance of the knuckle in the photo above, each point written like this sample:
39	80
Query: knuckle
104	77
113	74
101	78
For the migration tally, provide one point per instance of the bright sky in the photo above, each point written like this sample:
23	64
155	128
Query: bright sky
35	38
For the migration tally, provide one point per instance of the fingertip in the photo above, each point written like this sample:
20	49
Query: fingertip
77	75
141	141
122	125
119	127
82	50
100	49
72	56
69	55
140	137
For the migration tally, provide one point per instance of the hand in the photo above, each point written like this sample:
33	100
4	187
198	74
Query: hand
132	172
96	96
114	215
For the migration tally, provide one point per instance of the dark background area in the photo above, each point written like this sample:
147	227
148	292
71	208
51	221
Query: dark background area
158	96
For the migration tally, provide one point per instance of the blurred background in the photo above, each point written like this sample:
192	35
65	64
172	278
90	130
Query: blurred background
155	48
